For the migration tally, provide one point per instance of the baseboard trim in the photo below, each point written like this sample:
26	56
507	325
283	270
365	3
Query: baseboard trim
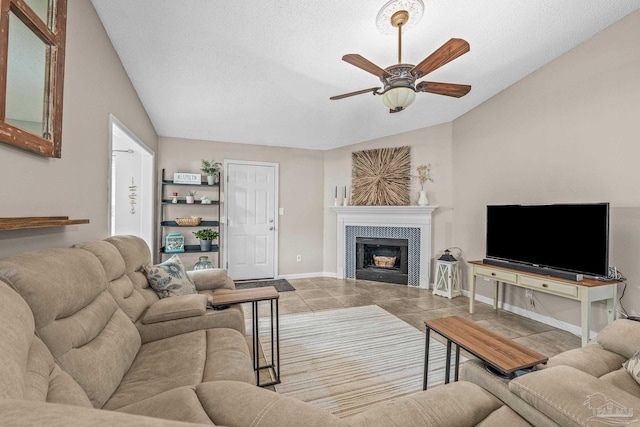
307	275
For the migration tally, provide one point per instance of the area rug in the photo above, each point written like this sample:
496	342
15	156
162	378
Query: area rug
281	285
348	359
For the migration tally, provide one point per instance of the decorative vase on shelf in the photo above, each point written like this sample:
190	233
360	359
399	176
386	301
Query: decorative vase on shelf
190	199
203	263
422	200
211	179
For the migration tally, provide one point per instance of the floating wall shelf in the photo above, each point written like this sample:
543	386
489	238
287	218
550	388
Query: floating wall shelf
26	222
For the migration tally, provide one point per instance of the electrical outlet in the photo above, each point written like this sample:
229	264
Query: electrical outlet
298	258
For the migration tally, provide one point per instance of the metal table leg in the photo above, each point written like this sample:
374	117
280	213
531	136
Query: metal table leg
447	368
256	361
457	362
275	346
426	358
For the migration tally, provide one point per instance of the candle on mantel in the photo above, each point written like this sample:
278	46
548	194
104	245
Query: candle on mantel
345	191
335	193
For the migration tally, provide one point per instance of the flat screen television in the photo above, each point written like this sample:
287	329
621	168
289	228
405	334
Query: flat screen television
563	237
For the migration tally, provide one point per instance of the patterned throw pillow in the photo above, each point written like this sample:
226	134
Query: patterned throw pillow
169	278
633	366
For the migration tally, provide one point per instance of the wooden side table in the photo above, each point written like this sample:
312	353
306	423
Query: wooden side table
502	354
254	296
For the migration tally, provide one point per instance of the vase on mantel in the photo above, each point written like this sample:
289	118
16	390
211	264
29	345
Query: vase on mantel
422	200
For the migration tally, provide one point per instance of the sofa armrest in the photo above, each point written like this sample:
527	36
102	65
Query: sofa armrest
460	404
32	413
571	397
210	279
178	307
236	404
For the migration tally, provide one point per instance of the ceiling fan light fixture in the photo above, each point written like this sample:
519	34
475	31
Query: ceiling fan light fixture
399	98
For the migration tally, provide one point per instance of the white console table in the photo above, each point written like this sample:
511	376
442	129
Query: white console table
586	291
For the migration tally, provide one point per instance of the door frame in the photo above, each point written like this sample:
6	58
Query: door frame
276	207
148	183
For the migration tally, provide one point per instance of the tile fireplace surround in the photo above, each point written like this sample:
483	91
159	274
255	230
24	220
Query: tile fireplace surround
409	222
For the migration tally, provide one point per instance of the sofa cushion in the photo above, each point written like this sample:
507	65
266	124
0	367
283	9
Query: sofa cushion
26	413
27	369
211	278
184	360
594	360
176	308
475	371
622	336
88	335
621	379
179	404
232	317
169	278
136	254
121	287
440	406
232	403
573	398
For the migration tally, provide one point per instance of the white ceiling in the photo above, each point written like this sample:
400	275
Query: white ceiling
262	72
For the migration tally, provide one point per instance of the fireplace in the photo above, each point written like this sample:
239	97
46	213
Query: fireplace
412	223
382	260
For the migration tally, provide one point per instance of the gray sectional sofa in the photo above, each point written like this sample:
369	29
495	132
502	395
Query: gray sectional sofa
84	341
586	386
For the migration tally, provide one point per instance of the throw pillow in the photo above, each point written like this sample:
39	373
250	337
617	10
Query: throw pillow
632	366
169	278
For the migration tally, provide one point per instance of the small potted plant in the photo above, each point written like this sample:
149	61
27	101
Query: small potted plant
211	168
206	235
191	196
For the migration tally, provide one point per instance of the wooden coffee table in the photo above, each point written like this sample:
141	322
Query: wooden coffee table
500	353
254	296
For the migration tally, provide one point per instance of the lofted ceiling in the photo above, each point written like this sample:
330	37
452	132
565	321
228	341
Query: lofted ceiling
262	72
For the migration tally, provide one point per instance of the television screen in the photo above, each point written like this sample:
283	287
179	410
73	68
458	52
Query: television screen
569	237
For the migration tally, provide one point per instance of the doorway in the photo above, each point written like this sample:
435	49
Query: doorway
250	212
131	184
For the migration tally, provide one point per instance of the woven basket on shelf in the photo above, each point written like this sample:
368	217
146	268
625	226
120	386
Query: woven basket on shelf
194	220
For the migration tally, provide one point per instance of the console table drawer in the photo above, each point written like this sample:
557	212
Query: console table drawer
503	276
549	286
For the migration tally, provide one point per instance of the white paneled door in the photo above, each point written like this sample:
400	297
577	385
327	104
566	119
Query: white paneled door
250	199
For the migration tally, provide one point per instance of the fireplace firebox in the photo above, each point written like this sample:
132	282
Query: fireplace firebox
382	260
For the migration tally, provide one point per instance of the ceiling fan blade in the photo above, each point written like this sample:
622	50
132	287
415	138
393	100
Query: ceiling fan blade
359	92
448	89
365	64
445	54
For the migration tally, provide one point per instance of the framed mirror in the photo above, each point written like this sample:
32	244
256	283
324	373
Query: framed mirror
32	40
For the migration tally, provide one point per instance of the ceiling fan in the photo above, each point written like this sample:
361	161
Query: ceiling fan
399	80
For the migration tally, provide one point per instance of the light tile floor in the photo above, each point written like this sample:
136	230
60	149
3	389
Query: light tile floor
414	306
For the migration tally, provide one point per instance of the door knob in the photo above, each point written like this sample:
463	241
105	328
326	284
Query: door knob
270	228
270	220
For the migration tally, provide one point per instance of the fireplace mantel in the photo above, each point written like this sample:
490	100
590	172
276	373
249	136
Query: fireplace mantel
386	216
418	211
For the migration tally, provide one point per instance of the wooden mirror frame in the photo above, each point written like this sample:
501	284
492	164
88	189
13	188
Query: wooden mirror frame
51	144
